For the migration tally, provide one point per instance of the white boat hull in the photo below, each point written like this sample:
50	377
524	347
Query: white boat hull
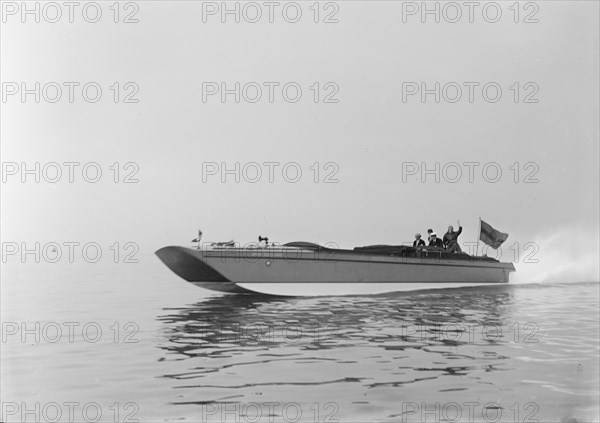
298	272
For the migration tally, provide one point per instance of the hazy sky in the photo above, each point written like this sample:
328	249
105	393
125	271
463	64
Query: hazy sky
370	133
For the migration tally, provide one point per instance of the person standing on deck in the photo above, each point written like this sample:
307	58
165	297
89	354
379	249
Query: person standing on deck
451	239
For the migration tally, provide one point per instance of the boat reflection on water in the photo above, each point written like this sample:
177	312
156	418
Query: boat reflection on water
417	319
345	357
352	358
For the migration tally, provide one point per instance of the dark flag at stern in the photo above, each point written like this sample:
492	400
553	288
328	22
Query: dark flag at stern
491	236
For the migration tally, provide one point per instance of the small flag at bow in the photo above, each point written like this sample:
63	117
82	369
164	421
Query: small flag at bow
199	237
491	236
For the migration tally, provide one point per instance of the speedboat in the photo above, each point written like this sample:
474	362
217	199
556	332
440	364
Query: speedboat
308	269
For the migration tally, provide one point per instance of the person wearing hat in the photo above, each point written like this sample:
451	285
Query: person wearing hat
450	240
435	241
429	232
418	242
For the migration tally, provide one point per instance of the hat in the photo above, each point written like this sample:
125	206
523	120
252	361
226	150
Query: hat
417	235
433	234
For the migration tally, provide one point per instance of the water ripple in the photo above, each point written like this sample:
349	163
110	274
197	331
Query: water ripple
482	344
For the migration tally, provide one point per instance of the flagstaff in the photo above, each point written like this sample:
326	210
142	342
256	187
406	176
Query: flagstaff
478	237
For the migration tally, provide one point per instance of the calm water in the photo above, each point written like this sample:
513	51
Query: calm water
118	344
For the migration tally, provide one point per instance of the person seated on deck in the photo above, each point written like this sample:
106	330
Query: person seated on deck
451	239
435	241
418	242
